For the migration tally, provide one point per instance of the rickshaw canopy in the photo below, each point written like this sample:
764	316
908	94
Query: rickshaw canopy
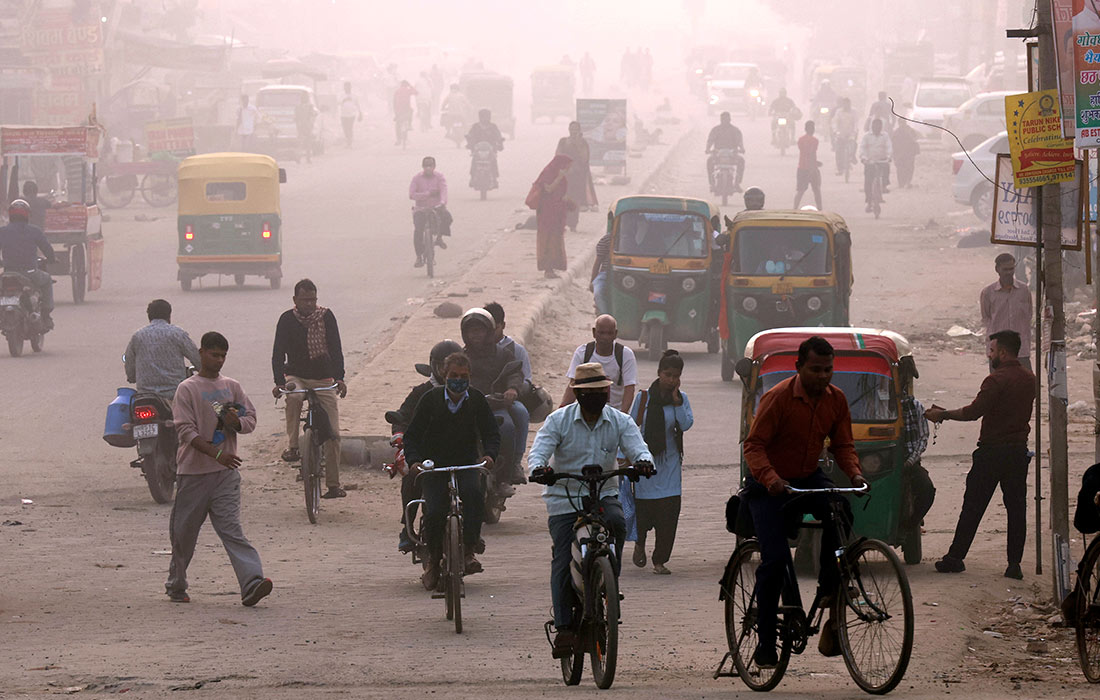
888	344
229	183
647	202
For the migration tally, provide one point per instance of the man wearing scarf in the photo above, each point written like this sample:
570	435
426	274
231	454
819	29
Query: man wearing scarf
307	354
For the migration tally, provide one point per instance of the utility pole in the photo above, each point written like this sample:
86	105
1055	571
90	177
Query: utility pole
1052	282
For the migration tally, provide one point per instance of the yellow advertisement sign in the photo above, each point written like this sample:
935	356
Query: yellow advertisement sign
1040	154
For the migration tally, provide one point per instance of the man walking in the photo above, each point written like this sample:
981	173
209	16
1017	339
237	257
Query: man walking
246	123
307	353
619	364
1006	306
787	436
809	167
349	112
209	411
1004	404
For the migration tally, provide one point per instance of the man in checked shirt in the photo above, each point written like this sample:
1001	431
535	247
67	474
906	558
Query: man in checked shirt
920	492
155	357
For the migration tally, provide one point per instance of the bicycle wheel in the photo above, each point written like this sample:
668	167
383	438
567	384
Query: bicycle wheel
453	569
741	630
159	190
311	474
874	617
1088	613
429	234
604	632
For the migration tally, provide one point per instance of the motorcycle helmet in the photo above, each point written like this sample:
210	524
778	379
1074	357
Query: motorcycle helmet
475	316
440	352
19	210
754	198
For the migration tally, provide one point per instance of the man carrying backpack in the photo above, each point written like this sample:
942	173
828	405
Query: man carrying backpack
618	363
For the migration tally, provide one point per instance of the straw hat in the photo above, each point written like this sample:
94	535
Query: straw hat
590	376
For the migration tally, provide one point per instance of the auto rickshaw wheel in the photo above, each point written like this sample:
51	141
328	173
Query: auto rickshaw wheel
239	280
276	282
78	273
185	284
911	548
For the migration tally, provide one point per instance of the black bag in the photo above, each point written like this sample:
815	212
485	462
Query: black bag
738	517
1086	517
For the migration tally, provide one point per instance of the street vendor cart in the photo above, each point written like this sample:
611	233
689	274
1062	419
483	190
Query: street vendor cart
61	161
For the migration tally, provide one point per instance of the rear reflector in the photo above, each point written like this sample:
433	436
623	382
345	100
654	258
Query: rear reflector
145	412
189	233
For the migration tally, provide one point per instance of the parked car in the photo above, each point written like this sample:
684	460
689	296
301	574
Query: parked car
970	185
978	118
934	99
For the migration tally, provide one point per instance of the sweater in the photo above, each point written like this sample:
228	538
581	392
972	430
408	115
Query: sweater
451	439
290	352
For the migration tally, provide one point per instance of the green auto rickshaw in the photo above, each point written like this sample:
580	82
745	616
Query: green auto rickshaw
875	369
664	263
491	91
785	268
230	222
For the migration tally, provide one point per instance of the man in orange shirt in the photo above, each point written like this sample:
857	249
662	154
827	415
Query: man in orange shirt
782	449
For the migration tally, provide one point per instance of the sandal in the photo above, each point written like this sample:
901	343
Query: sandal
291	454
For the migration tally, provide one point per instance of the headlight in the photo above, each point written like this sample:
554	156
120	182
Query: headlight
749	304
629	282
754	92
813	303
688	284
824	110
781	121
871	463
714	99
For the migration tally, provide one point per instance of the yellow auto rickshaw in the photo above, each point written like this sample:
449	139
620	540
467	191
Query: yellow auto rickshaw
229	220
785	268
664	281
552	92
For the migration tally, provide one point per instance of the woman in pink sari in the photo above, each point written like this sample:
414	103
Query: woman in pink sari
551	209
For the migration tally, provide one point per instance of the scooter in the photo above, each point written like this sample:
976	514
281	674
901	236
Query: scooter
783	130
21	312
725	167
483	160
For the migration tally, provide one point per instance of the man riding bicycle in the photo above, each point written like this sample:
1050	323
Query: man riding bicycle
449	422
875	152
725	136
844	128
428	191
782	449
585	432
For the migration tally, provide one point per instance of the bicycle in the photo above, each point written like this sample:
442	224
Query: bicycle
316	431
429	235
1085	612
844	146
454	558
596	606
878	179
871	605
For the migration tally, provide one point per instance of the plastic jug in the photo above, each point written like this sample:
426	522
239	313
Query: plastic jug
118	415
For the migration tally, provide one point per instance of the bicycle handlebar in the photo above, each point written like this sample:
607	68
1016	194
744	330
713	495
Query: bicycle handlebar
428	467
835	489
284	391
595	478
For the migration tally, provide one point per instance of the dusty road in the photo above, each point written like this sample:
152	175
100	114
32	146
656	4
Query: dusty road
82	603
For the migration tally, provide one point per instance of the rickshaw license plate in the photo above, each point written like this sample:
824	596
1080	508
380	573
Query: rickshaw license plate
146	430
783	288
659	268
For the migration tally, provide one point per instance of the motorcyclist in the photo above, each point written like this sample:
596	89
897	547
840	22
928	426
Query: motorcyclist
20	243
455	109
826	97
488	361
157	354
484	130
754	199
783	106
410	488
722	137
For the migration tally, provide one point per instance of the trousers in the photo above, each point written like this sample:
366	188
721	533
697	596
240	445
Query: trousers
217	495
601	292
561	533
329	402
661	515
436	492
994	465
771	522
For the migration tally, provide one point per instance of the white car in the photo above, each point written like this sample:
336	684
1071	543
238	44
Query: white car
978	118
726	88
934	99
970	185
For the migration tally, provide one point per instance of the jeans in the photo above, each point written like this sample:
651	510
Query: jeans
521	424
561	532
508	455
436	492
771	524
601	292
1006	466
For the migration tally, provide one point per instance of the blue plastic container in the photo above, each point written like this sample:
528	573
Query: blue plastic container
118	415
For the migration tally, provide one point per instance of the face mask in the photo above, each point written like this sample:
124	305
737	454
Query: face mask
458	386
592	401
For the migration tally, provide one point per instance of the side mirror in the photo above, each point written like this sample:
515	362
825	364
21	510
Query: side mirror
729	221
743	369
282	175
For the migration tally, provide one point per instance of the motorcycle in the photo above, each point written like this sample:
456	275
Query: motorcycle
755	103
783	133
725	166
21	312
455	127
155	435
483	164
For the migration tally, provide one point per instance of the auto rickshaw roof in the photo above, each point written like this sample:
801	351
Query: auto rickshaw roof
652	202
835	221
888	344
484	77
210	166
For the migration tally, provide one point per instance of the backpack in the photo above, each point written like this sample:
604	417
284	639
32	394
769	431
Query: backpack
590	350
